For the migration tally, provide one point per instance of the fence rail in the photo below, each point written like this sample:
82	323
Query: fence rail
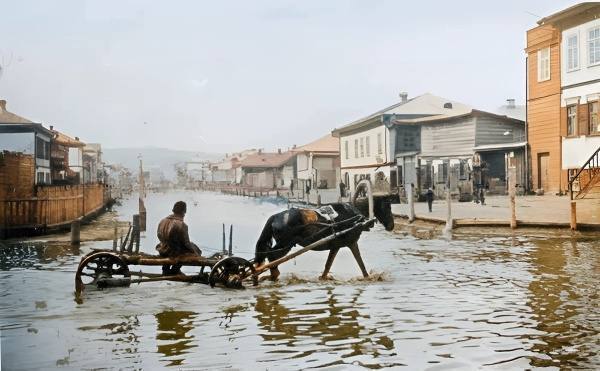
52	205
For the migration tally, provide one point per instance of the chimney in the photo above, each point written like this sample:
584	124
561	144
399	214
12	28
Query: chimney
403	96
51	127
2	105
510	103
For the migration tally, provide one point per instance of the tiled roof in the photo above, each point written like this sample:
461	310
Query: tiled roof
66	140
7	117
267	159
328	143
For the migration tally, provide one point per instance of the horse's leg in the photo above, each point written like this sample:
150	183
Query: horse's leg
274	274
332	253
356	252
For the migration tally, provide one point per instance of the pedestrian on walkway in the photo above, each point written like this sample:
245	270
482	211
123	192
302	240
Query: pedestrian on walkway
292	186
482	195
342	189
429	198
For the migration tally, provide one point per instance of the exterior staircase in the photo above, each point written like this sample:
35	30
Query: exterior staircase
586	181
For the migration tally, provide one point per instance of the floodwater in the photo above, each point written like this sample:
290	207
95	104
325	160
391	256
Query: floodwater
486	299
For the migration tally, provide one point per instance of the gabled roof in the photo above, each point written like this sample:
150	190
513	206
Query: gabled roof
420	106
267	160
326	144
65	140
7	117
577	9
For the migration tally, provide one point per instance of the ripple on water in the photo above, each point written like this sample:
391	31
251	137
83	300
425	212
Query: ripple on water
479	300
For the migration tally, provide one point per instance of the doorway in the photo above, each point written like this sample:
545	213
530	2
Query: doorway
543	166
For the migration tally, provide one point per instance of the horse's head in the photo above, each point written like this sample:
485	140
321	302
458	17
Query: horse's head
383	212
381	208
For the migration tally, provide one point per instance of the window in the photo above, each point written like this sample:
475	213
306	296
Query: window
594	119
355	148
594	46
368	146
346	149
571	120
543	64
379	144
362	147
572	53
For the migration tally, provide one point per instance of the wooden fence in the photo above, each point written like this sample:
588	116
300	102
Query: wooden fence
51	206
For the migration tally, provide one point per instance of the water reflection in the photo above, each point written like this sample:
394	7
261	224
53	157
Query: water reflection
563	297
334	323
34	254
172	336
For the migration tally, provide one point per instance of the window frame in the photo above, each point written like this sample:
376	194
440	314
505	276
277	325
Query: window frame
356	148
346	149
597	112
588	42
362	147
379	144
541	78
576	65
575	123
368	146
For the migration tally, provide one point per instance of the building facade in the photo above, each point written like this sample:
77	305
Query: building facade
318	163
563	87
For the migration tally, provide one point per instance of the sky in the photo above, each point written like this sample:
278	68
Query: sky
222	76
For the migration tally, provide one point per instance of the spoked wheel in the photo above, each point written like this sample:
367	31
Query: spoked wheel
231	271
102	269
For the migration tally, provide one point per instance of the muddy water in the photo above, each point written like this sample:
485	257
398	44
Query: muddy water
481	299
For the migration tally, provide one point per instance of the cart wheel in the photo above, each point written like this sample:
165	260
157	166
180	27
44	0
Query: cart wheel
231	271
98	268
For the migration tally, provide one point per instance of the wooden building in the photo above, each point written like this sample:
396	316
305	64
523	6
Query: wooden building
268	170
427	140
318	163
32	200
563	65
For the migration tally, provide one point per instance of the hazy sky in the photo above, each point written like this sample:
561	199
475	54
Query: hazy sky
226	75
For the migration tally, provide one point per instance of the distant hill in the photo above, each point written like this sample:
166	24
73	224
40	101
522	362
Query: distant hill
153	157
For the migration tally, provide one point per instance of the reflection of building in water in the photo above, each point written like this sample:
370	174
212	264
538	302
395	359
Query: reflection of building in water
563	298
336	324
172	335
27	255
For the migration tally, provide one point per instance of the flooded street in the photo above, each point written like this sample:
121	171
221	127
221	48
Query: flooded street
486	298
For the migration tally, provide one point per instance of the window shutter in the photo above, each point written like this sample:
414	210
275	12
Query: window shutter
563	121
582	119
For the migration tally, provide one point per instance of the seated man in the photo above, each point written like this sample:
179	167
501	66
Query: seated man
174	239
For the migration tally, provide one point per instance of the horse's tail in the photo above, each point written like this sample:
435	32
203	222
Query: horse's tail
265	241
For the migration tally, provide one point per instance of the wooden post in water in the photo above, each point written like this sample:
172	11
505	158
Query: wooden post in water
411	202
135	230
115	237
75	232
319	200
224	250
231	240
573	215
449	221
142	196
512	184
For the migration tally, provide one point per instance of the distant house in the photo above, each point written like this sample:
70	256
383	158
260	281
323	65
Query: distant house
318	163
268	170
427	140
66	158
93	167
29	141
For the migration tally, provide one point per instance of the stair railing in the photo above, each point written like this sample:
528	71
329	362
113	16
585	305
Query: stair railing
592	162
